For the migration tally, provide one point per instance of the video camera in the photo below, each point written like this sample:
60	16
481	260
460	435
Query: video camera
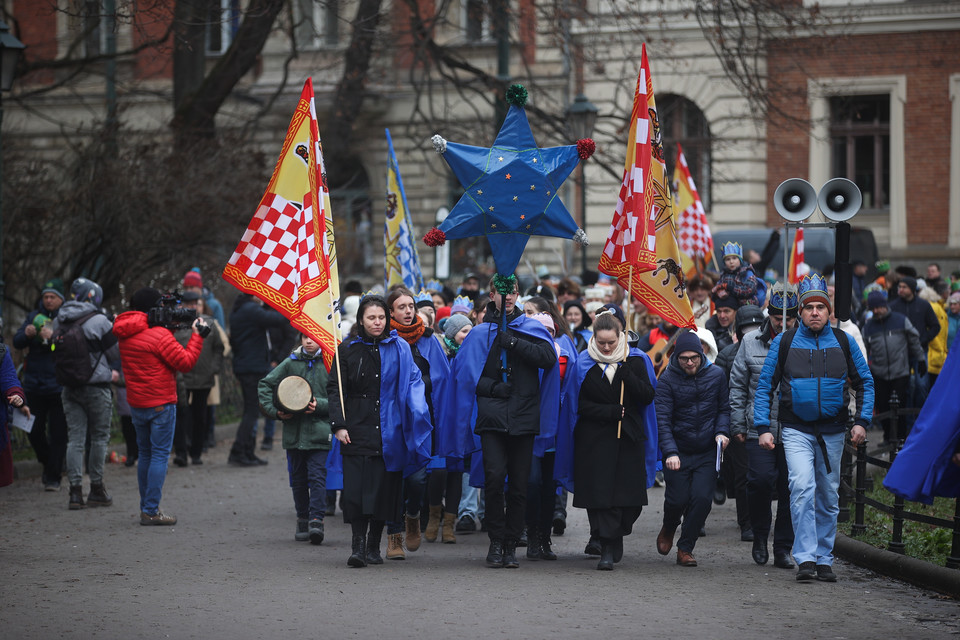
170	315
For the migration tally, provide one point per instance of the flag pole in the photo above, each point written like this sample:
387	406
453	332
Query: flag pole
336	356
626	350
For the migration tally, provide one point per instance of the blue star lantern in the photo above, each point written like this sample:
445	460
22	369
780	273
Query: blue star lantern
510	189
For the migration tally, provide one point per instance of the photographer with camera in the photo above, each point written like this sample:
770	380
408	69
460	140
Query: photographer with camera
151	357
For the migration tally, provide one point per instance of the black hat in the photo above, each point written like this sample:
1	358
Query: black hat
587	320
748	314
145	299
727	301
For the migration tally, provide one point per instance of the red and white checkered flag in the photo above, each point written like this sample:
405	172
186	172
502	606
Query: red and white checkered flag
693	234
286	256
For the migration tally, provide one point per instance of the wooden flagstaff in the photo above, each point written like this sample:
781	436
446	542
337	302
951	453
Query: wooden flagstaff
626	350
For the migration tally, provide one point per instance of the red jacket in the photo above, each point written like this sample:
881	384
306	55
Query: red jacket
150	357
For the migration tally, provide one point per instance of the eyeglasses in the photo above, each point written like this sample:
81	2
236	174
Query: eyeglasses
688	358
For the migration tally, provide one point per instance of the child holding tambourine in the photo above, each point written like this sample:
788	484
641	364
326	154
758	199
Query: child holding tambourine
306	431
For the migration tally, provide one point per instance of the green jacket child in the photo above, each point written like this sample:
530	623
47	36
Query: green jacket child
310	430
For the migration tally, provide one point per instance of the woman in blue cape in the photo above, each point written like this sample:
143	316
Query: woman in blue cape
505	407
385	429
612	444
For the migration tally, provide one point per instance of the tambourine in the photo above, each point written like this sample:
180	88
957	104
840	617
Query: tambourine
294	394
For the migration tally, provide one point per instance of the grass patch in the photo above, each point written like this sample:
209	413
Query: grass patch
922	541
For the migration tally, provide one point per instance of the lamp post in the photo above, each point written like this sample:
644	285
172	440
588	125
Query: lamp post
10	49
581	118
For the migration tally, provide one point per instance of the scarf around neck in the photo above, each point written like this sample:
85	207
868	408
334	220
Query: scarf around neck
409	332
608	364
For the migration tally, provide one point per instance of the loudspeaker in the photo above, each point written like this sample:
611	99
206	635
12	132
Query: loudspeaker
840	199
795	200
842	290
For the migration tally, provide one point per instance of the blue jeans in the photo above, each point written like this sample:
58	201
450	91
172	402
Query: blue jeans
814	500
308	479
155	428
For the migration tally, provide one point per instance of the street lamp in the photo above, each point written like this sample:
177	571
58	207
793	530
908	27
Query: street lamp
581	117
10	50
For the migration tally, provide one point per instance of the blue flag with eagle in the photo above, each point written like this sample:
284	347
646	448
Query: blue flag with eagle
401	261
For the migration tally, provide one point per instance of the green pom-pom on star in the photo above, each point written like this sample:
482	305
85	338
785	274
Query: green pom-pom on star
504	285
517	95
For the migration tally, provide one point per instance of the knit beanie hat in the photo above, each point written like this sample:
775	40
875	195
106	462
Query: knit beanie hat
193	279
54	286
689	341
144	299
453	325
954	297
545	320
727	301
876	299
910	282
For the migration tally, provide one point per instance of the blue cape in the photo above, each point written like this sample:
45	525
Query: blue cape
922	470
404	416
563	470
456	438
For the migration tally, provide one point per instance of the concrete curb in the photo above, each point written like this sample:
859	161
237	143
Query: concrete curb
894	565
33	469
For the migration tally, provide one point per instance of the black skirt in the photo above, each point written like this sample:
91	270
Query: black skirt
370	491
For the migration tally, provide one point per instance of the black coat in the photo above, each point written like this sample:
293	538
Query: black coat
518	414
691	410
249	322
360	361
611	472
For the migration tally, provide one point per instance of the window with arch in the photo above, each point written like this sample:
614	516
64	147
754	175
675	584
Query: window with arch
682	121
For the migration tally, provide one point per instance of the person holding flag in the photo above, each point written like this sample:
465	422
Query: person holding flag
402	262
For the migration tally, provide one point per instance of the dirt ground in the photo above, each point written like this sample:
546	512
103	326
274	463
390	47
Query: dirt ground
230	568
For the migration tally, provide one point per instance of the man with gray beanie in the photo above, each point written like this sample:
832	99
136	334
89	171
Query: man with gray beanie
83	347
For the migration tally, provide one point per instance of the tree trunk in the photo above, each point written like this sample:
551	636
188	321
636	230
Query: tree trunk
194	117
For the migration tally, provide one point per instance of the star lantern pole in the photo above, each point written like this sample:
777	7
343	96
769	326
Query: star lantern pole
511	192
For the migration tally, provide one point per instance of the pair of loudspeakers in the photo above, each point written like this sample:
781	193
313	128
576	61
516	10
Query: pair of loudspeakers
796	200
839	200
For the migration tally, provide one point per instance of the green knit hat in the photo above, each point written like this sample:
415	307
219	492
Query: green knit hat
54	285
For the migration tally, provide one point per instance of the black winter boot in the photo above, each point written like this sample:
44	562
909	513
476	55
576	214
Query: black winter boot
358	557
98	496
76	497
533	544
606	555
510	554
495	554
546	553
373	542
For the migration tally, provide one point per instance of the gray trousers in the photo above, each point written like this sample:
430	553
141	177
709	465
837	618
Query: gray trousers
87	408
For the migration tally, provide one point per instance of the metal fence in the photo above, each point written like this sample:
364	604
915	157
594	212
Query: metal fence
855	482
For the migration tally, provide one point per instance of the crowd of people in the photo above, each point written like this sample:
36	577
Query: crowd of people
482	409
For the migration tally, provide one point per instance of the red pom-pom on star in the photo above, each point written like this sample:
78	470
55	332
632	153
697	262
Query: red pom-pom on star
586	147
435	238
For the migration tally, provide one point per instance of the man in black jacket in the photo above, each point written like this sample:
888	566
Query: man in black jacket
508	420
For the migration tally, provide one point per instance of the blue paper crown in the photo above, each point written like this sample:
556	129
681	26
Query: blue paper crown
433	285
812	285
777	299
461	304
423	296
732	249
367	294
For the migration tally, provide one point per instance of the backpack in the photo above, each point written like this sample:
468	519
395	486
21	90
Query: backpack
71	353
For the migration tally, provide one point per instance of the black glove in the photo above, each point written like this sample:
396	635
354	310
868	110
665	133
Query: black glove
204	330
502	390
506	341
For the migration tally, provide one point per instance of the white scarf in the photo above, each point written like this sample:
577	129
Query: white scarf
608	364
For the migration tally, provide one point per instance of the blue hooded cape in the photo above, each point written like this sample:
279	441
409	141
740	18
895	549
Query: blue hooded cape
922	470
404	416
563	470
456	438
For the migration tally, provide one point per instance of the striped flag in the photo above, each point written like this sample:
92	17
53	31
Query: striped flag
694	238
401	261
287	255
632	238
658	280
795	270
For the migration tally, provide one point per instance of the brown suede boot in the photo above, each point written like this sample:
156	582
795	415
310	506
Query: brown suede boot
433	524
449	523
395	547
413	532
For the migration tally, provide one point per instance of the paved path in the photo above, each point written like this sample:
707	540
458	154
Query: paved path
231	569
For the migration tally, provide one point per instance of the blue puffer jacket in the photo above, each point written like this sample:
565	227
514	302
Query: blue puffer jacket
691	410
813	384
